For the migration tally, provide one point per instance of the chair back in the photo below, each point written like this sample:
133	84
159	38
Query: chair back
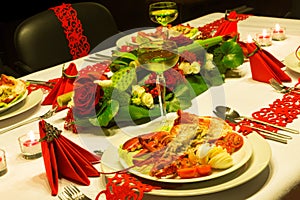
40	40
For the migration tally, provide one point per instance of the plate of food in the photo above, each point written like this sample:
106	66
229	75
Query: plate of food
12	92
31	100
187	153
258	162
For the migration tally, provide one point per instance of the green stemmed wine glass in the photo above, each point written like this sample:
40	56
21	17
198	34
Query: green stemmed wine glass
159	56
163	12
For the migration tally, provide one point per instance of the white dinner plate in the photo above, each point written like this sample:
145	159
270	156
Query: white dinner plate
259	160
239	159
291	62
9	106
29	102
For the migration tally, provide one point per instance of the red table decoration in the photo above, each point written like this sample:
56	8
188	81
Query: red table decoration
65	159
63	86
264	65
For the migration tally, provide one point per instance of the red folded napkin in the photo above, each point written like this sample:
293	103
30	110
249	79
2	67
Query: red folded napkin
65	159
229	26
62	86
264	65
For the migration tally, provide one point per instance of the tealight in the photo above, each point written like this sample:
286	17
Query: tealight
278	33
264	38
30	146
3	167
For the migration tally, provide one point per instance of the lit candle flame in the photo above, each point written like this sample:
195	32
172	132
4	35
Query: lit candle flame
277	27
249	39
31	136
264	33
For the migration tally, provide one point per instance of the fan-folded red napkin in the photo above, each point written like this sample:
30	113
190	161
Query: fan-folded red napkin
229	26
264	65
65	159
62	86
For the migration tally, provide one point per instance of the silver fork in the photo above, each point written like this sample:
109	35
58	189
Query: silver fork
64	196
280	87
75	194
46	115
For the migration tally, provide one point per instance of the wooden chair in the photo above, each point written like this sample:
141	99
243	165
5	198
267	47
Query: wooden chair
40	40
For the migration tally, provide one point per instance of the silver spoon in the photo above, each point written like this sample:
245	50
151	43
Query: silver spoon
229	113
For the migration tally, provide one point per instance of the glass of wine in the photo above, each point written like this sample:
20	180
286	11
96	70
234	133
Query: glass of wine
163	12
158	56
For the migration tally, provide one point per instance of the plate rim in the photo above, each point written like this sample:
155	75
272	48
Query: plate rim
36	95
290	62
259	161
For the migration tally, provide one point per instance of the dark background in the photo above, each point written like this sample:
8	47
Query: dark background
130	14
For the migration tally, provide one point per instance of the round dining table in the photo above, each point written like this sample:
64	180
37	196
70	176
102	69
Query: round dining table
271	173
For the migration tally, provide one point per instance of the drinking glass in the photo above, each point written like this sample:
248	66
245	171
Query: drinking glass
3	166
163	12
159	56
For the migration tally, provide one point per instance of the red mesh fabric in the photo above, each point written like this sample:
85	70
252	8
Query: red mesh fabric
123	186
209	29
280	112
78	43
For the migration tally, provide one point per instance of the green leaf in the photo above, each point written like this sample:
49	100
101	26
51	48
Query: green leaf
135	113
228	56
107	115
197	83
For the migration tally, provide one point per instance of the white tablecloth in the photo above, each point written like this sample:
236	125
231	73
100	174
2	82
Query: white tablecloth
26	179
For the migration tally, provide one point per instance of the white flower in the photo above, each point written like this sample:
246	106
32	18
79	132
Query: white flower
136	101
209	65
195	67
137	91
185	67
188	68
147	100
209	56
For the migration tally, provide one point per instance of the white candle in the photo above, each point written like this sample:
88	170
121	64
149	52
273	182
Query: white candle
278	33
249	39
3	167
264	38
30	146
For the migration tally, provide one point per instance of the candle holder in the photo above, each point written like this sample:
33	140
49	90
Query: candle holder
264	38
30	146
278	33
3	166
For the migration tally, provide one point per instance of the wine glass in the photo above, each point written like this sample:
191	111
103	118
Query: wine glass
158	56
163	12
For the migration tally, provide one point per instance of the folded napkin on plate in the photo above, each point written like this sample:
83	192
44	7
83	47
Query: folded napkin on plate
229	26
264	65
65	159
63	85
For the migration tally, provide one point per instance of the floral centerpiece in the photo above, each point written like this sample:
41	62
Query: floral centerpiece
121	93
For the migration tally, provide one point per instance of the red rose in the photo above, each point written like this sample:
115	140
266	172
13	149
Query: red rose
87	94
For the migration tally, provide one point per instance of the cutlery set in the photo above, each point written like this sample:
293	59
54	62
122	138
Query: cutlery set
46	115
234	117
